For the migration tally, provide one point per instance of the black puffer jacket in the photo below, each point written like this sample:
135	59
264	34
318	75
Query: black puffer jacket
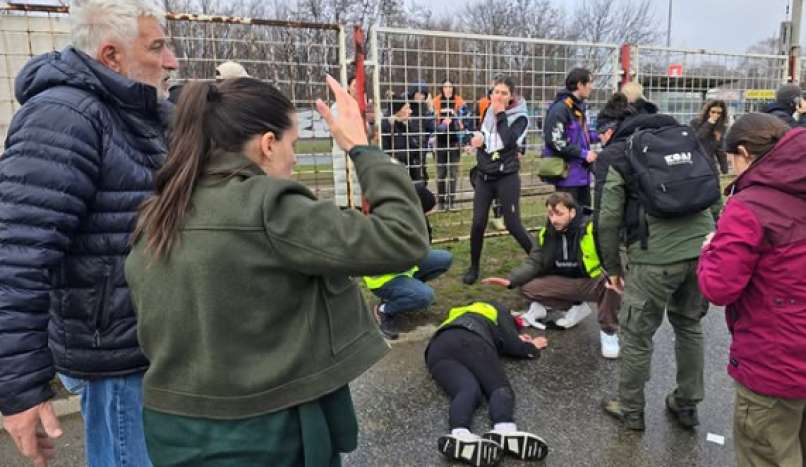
79	160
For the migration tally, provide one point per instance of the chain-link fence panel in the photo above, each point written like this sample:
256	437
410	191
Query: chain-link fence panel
25	34
681	81
293	56
412	69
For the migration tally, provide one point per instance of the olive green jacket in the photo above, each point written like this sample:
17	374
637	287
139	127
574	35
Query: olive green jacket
255	309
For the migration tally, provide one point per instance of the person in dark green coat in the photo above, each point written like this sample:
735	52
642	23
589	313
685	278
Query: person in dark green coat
242	283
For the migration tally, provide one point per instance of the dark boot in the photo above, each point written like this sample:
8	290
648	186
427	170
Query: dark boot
633	421
471	276
686	414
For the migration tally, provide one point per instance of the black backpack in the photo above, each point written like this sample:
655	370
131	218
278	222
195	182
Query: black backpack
671	174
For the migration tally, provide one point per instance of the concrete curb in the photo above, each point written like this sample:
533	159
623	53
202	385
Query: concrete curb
62	407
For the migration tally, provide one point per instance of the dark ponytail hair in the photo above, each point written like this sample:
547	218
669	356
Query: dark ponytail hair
209	116
757	132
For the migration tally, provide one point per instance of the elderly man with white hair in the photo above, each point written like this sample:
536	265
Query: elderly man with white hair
79	160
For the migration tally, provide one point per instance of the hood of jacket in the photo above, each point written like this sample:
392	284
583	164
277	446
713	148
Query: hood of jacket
76	69
641	121
781	168
517	108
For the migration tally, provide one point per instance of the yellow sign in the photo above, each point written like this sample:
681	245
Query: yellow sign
759	94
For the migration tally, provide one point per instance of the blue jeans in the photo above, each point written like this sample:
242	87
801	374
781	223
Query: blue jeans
403	294
113	419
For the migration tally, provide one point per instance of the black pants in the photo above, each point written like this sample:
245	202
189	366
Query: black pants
447	175
580	193
466	366
508	191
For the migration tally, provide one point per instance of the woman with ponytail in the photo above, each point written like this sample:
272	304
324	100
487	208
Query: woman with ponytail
241	280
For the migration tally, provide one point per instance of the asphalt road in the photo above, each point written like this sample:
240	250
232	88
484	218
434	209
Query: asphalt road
402	411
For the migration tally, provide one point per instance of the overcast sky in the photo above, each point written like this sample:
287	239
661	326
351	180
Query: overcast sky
726	25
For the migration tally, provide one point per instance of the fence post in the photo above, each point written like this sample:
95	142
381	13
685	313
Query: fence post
626	64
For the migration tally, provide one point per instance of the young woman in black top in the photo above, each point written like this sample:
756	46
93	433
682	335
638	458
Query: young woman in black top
499	146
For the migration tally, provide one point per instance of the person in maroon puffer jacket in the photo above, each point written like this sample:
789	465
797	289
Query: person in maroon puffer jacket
755	265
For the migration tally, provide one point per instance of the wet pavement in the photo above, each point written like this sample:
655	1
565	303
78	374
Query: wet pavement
402	411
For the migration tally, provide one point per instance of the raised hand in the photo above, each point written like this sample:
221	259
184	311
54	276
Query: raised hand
347	127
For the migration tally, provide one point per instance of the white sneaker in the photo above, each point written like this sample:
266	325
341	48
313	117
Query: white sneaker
536	311
610	345
574	315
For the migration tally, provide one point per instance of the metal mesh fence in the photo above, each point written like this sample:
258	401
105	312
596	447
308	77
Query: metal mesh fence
293	56
411	61
296	57
681	81
24	35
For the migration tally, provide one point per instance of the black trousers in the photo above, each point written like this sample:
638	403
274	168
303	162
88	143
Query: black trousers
448	161
466	367
507	190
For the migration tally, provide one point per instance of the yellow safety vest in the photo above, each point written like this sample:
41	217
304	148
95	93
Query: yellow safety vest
376	282
484	309
590	259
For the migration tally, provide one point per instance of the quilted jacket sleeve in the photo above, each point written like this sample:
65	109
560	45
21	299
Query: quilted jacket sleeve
47	178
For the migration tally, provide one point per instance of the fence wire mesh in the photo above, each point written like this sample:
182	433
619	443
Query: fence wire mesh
296	57
408	61
293	56
680	81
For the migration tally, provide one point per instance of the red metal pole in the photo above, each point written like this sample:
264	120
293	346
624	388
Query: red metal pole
626	59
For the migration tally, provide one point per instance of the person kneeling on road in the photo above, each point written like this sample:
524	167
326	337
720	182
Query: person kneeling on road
407	291
463	358
562	270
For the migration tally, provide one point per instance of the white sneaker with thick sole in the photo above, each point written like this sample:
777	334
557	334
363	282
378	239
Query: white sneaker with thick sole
520	444
574	315
610	345
536	312
471	449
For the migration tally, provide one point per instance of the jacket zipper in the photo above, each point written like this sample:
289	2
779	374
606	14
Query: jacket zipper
99	309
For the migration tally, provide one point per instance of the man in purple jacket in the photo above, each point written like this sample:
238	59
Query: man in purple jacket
566	133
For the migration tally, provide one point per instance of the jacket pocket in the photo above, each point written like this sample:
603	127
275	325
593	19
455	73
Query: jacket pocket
347	313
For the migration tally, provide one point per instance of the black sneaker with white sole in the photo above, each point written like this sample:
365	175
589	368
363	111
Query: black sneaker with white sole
520	444
477	451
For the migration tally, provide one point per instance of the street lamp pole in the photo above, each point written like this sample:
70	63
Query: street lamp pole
669	27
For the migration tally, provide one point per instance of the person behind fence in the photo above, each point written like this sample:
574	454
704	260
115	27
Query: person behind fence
463	358
401	138
421	123
754	265
498	147
79	159
566	136
789	105
246	306
662	231
710	128
451	119
563	272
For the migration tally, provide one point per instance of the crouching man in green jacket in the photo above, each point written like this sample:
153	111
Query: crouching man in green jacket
563	272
